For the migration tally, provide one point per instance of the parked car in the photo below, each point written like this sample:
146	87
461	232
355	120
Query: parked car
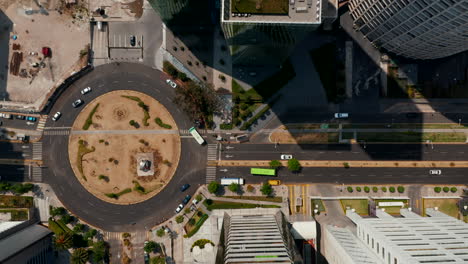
77	103
56	116
435	172
186	199
5	115
31	118
86	90
171	83
341	115
286	157
22	117
184	187
274	182
195	201
132	40
179	208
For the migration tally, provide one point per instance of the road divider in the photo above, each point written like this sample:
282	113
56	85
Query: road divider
20	162
347	164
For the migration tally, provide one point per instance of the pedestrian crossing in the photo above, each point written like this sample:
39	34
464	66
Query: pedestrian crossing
57	132
37	151
186	131
210	174
36	174
41	124
113	236
212	151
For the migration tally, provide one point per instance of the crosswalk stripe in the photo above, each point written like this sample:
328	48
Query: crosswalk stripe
57	132
36	174
210	174
37	151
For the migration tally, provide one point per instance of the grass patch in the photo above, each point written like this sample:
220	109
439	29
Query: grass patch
117	195
140	189
393	210
17	215
232	205
200	218
143	106
89	120
331	74
360	205
319	203
411	137
258	198
277	7
103	177
63	226
55	227
160	123
10	201
447	206
82	150
226	126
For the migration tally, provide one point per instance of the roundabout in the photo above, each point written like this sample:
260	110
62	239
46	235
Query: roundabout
87	184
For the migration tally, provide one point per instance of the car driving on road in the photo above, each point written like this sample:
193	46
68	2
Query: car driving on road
435	172
286	157
77	103
56	116
86	90
341	115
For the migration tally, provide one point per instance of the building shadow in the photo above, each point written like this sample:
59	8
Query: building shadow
6	27
9	171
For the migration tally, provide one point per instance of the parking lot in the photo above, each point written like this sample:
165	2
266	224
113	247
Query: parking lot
15	122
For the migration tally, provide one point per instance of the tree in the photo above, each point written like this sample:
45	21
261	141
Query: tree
358	189
150	246
191	222
187	211
350	189
100	252
63	241
391	189
170	69
182	76
234	187
78	228
453	189
160	232
375	189
266	189
384	189
79	256
437	189
446	189
66	218
366	189
199	197
274	164
294	165
57	211
196	101
90	234
213	187
401	189
179	219
250	188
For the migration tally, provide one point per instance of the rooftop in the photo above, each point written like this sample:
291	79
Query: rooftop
272	11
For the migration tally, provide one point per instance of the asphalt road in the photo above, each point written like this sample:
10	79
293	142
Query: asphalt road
80	202
15	173
19	123
15	150
346	151
352	175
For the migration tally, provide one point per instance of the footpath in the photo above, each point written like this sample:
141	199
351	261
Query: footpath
347	164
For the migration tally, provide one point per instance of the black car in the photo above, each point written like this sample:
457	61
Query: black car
186	199
184	187
132	41
20	117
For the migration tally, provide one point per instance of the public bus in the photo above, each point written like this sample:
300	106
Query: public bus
263	172
197	136
228	181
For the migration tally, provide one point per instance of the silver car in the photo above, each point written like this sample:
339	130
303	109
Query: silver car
56	116
86	90
179	208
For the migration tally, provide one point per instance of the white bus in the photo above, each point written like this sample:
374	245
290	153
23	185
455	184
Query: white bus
228	181
196	135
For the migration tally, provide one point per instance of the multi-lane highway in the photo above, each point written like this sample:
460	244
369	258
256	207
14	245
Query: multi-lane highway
353	175
346	151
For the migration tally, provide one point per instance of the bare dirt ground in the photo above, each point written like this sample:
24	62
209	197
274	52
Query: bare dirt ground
115	112
115	154
64	33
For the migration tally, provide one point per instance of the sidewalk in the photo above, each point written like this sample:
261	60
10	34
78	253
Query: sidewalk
350	164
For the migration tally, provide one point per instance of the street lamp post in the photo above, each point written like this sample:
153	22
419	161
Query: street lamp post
459	121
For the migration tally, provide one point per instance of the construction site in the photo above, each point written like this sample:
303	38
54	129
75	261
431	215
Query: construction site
37	58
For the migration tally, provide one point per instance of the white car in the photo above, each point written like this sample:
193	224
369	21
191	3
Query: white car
286	157
179	208
56	116
86	90
341	115
435	172
171	83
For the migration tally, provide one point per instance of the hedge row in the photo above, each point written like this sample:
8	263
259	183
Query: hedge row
89	120
445	189
161	123
197	226
375	189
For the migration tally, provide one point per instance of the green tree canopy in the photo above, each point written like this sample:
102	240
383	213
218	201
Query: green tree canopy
213	187
150	246
294	165
274	164
79	256
234	187
266	189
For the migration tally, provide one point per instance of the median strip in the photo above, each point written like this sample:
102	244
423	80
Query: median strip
348	164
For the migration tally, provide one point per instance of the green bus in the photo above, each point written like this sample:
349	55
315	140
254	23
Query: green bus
265	172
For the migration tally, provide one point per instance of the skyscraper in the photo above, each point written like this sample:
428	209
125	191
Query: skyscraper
266	32
417	29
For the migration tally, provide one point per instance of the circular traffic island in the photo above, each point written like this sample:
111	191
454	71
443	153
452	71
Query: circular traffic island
124	147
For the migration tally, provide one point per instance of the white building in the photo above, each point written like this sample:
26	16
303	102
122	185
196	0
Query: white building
418	29
410	239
